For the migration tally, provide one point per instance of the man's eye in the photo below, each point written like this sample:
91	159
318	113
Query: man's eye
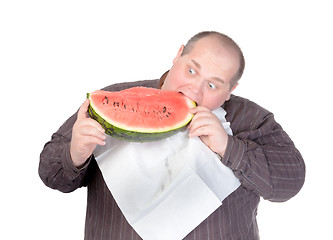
191	71
212	85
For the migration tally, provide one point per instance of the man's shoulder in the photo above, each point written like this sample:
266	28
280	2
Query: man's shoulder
124	85
237	101
238	106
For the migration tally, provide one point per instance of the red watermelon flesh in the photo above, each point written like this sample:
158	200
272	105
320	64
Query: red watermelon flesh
141	110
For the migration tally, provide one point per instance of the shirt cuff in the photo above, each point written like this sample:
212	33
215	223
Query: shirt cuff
234	152
69	166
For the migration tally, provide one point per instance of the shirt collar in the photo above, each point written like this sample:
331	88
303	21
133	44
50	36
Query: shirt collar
162	79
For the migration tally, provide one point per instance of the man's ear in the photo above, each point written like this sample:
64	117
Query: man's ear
180	51
232	89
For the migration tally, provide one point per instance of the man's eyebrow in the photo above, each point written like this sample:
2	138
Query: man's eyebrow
218	79
196	64
199	67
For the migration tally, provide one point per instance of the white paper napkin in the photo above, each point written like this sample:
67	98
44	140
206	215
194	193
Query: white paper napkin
166	188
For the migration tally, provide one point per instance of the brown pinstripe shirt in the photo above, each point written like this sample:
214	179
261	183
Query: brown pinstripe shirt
260	153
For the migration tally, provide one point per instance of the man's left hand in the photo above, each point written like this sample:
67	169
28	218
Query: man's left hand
209	129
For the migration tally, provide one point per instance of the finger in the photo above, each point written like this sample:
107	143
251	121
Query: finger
199	109
205	122
203	115
195	127
201	112
91	128
200	131
205	129
91	140
83	119
202	118
82	114
89	122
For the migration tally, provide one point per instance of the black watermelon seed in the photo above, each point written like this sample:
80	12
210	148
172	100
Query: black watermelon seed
105	100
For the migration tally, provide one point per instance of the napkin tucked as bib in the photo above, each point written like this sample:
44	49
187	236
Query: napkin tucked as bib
166	188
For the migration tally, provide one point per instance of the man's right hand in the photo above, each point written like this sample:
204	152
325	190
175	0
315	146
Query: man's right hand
87	133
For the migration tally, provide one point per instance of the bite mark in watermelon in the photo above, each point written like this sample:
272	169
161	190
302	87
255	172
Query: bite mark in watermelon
140	114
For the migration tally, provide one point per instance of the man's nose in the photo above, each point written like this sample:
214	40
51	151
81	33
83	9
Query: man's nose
197	86
196	89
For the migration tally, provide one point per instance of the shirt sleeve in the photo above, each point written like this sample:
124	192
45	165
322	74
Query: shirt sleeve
56	168
261	153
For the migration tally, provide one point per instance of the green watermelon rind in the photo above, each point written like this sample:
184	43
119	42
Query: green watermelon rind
133	136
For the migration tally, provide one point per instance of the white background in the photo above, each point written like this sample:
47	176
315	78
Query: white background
53	52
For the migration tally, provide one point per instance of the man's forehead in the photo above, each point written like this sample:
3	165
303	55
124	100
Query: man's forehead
198	65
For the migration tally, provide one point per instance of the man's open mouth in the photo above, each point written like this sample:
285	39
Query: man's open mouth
188	98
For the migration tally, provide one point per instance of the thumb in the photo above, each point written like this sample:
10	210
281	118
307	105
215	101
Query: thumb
82	114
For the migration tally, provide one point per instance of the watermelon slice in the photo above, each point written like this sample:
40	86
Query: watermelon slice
140	114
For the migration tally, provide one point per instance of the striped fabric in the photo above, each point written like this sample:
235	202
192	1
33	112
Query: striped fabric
260	153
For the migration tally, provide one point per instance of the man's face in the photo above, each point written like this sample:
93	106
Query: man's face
204	74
